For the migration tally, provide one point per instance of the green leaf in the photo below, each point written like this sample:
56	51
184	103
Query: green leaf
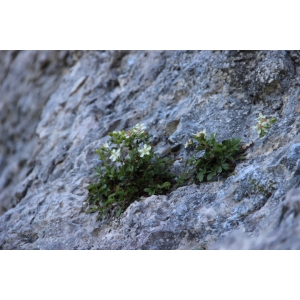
225	166
200	176
92	209
149	191
210	175
118	212
165	185
241	157
111	198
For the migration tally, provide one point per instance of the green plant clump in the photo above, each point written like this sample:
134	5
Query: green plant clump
129	170
217	157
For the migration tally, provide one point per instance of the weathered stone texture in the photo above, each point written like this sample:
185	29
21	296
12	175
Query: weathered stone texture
57	107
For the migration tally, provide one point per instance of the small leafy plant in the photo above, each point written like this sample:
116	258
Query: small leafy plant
265	189
129	169
216	157
263	124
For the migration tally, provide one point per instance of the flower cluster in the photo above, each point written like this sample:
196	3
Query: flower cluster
129	169
117	150
263	124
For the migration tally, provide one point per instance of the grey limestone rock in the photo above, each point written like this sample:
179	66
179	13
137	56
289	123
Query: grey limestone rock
281	229
57	107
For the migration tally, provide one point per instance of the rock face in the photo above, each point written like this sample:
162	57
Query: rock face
57	107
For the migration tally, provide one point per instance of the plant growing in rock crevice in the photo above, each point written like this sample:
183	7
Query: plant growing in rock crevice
263	124
216	158
129	169
263	189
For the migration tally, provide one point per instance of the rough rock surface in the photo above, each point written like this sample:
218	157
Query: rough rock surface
57	107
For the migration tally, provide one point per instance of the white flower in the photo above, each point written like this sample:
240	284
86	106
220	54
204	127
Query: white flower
145	150
106	145
115	154
261	118
188	143
263	125
198	134
139	128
